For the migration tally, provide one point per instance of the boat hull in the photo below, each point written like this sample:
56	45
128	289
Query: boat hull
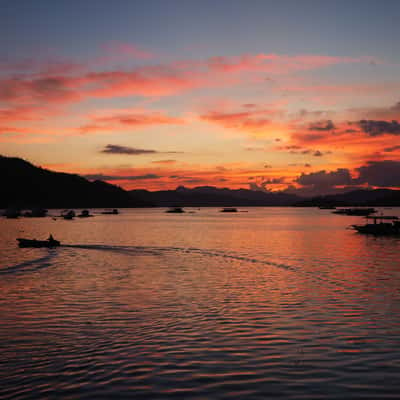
37	243
378	229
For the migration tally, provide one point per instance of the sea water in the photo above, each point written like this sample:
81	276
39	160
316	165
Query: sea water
265	302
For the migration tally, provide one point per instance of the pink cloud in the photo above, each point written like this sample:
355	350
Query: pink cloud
127	119
45	88
275	63
237	120
39	90
55	83
250	120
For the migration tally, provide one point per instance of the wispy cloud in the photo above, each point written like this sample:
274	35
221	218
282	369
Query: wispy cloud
121	177
127	119
117	149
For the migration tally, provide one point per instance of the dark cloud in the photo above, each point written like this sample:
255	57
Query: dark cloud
312	137
193	180
117	149
323	179
375	127
380	173
374	173
390	149
327	125
101	177
293	147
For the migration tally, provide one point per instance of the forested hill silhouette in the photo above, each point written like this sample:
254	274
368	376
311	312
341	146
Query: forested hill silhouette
204	196
212	196
361	197
24	185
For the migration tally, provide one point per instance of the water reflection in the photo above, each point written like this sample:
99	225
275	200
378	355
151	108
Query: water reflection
273	302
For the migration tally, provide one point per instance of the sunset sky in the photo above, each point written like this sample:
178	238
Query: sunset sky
302	96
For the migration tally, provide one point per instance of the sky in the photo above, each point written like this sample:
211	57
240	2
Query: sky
294	96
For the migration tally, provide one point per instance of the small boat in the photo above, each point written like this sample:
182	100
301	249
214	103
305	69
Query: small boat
35	213
380	228
355	211
327	207
50	242
68	214
177	210
229	209
85	214
111	212
12	213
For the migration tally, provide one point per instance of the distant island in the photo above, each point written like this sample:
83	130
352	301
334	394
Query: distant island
25	185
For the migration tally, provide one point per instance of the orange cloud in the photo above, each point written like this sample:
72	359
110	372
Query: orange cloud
171	174
251	121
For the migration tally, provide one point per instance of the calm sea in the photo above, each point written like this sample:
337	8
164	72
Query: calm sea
265	303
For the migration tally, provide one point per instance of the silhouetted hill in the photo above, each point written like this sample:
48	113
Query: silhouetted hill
25	185
378	197
204	196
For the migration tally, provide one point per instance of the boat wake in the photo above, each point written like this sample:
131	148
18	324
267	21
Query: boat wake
31	265
129	250
158	251
46	261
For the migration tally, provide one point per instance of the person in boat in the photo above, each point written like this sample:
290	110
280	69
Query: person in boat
51	239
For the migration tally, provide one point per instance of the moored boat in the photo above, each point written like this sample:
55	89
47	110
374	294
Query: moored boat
380	228
177	210
85	214
12	213
68	214
111	212
355	211
36	212
229	209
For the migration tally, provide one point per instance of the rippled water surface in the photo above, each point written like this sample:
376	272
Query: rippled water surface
272	302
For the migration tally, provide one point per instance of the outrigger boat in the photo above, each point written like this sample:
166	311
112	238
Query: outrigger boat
380	228
85	214
50	242
68	214
177	210
355	211
111	212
